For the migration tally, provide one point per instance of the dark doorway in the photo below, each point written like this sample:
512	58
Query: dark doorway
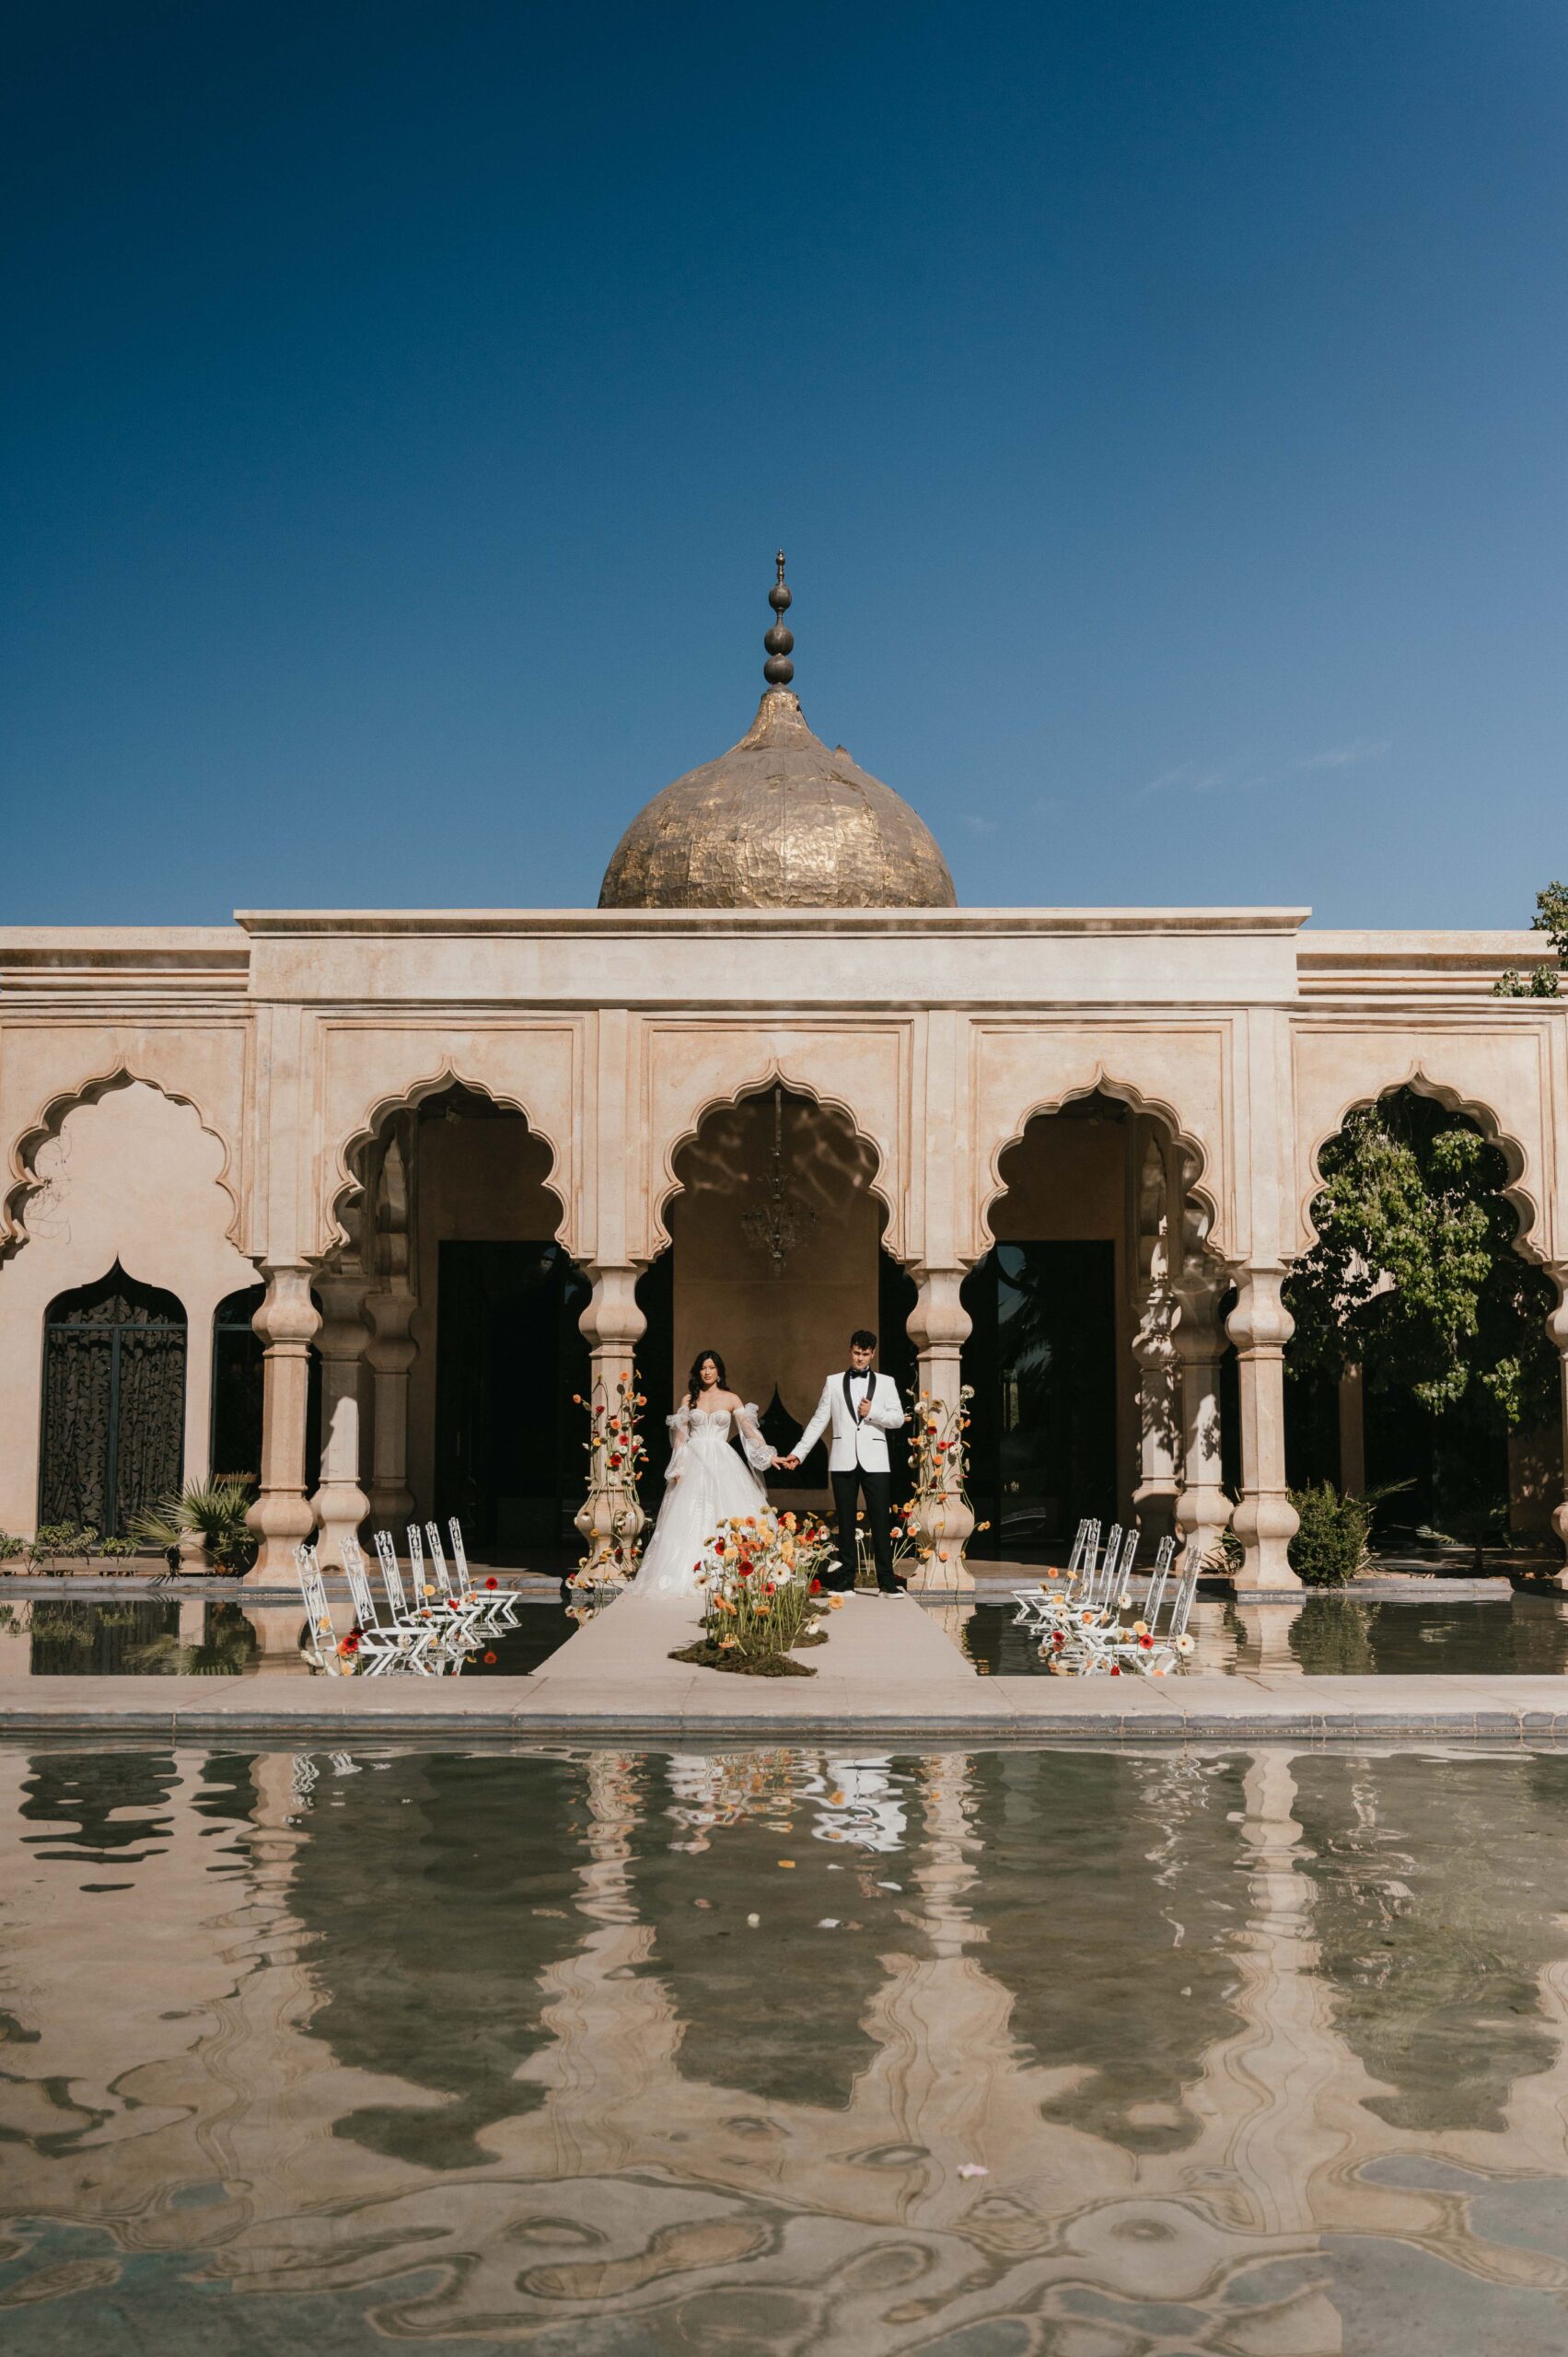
113	1403
238	1391
1042	1361
509	1356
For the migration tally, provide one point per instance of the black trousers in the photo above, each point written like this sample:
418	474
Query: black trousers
878	1490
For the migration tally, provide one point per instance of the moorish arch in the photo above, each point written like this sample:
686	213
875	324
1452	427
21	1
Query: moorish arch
1367	1430
450	1279
1502	1081
776	1224
860	1073
1097	1228
120	1176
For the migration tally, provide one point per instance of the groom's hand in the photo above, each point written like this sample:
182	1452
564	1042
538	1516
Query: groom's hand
790	1464
864	1410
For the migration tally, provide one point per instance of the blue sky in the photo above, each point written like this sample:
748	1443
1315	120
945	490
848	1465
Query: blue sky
1163	409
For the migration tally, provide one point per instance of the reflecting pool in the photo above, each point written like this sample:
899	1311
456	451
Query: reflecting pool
1088	2055
196	1637
1325	1636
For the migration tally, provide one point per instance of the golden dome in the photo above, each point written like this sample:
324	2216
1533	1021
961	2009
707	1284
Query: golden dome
777	822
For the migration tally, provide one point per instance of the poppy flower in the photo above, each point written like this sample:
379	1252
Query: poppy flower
492	1581
1116	1669
488	1658
816	1590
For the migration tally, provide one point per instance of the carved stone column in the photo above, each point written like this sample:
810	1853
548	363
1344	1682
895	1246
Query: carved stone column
613	1325
286	1321
1202	1509
939	1326
1265	1521
1557	1326
340	1503
391	1351
1154	1347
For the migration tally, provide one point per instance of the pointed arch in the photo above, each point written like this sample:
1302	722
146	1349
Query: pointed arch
1204	1217
23	1182
348	1175
772	1071
1530	1242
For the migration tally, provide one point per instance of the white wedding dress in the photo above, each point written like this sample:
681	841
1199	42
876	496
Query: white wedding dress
706	1484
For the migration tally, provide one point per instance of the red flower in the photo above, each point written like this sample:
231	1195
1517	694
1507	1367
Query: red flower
490	1657
1116	1669
614	1460
1147	1643
451	1604
773	1587
815	1587
1058	1639
491	1582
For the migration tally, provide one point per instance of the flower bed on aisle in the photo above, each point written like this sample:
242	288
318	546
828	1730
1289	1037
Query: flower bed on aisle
761	1582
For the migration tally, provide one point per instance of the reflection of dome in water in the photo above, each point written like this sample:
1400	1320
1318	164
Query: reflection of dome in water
777	822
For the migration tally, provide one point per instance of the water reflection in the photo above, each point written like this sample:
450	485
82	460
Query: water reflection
1321	1636
1037	2052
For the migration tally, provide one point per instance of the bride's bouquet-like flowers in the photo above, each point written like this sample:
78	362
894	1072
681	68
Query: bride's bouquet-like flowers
760	1577
617	1455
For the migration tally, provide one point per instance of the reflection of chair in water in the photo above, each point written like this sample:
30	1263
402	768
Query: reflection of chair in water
1033	1601
491	1612
387	1641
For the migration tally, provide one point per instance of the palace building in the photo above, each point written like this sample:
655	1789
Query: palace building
357	1201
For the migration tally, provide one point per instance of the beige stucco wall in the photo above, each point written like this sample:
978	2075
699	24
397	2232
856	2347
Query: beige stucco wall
132	1178
932	1037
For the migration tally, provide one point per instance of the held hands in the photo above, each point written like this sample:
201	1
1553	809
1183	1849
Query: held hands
786	1464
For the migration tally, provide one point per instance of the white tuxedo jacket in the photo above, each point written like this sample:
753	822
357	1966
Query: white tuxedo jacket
857	1440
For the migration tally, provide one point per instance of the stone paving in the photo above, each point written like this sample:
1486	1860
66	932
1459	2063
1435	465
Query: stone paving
888	1673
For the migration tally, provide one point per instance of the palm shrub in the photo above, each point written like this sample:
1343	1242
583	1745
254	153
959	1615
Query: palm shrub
214	1511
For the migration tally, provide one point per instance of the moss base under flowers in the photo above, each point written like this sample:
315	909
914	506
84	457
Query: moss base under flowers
739	1664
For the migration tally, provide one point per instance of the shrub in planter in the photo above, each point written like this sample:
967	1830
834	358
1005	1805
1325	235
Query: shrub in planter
214	1513
1330	1546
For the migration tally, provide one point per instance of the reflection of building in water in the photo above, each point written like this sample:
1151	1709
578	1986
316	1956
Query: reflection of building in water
406	2056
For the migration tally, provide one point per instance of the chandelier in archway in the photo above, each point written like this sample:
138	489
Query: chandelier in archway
781	1223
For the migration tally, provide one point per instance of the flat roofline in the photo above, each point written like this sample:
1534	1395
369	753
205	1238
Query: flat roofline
765	920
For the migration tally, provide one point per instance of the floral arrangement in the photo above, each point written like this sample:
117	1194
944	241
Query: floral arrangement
761	1578
617	1456
939	1517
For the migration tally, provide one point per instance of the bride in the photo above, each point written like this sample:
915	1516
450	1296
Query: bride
706	1482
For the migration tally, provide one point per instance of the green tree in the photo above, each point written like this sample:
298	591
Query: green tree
1414	1275
1541	982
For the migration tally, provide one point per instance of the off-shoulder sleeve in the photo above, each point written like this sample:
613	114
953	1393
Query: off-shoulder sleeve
759	1455
679	1432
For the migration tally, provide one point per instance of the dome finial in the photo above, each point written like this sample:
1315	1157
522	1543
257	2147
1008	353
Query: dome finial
778	670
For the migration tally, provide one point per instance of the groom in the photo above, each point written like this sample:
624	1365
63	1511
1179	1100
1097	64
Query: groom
864	1407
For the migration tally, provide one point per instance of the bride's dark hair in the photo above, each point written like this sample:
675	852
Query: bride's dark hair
694	1380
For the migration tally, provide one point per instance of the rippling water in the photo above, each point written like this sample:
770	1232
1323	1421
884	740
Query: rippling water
1088	2055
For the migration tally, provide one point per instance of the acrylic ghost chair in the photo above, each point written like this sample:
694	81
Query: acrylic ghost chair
487	1612
388	1643
444	1637
1031	1601
438	1590
322	1638
502	1604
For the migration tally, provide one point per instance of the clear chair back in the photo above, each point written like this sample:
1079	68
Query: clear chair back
359	1587
313	1592
438	1559
392	1577
460	1560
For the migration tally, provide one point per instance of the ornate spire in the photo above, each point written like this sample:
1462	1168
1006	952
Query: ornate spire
778	670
